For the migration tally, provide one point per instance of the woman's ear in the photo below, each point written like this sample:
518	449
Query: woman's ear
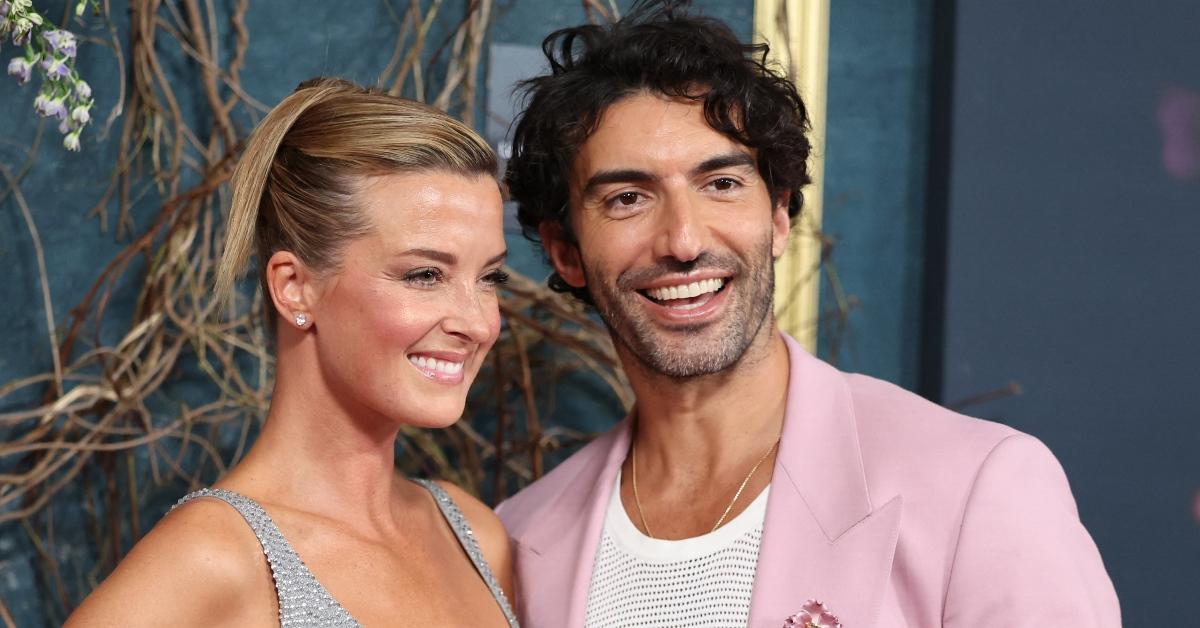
563	252
291	288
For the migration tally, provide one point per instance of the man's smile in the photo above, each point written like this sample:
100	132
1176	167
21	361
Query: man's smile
685	292
687	299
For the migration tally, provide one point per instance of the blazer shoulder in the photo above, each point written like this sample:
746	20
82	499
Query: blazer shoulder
916	448
903	424
521	509
989	505
1021	545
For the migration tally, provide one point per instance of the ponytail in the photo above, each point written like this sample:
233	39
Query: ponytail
250	178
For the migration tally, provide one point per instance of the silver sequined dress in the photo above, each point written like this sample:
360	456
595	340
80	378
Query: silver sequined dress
303	602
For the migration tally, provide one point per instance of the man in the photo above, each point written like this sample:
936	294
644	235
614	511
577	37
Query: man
660	164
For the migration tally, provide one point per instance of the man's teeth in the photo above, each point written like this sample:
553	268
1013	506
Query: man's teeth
694	289
433	364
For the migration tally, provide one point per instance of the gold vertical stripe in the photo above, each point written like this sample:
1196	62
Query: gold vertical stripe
798	33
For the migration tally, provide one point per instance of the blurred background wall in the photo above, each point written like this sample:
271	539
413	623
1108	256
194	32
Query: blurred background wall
1067	216
1004	220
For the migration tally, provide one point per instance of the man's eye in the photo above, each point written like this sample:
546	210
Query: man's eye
627	198
724	184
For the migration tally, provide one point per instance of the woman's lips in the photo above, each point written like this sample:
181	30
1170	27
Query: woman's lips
445	369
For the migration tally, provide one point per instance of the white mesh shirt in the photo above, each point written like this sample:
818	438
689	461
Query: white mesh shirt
704	581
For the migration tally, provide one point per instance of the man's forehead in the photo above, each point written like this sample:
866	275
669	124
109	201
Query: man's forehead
651	114
646	130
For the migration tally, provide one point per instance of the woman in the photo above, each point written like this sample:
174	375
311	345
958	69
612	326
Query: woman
378	224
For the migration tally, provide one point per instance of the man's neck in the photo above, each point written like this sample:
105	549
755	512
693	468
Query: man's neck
712	423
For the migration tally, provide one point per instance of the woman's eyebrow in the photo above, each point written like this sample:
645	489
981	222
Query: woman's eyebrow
433	254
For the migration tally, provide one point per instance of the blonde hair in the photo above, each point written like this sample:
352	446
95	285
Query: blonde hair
293	189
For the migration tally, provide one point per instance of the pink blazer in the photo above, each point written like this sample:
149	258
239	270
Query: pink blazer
892	511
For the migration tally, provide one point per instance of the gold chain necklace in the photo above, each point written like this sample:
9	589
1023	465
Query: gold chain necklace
637	501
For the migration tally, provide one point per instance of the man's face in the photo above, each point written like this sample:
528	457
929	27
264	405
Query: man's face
676	236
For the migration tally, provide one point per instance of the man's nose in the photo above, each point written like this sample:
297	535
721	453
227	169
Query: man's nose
682	233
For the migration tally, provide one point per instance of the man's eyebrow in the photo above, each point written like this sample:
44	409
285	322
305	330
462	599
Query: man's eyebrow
605	177
728	160
629	175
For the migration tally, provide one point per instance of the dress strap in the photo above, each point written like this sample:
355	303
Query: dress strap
302	599
466	537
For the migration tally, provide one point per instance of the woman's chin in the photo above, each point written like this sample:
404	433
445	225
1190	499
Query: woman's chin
433	424
433	420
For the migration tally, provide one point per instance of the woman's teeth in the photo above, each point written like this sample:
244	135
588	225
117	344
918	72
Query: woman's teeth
433	364
688	291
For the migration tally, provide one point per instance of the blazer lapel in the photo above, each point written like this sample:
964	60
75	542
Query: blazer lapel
822	539
560	546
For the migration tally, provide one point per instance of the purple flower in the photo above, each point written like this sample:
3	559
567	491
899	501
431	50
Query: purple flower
56	68
23	22
71	141
56	108
63	42
812	615
48	107
21	68
4	8
22	28
83	91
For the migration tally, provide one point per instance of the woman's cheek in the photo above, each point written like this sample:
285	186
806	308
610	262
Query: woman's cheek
495	322
405	325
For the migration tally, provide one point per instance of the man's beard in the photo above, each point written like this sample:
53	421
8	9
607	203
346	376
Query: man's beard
688	351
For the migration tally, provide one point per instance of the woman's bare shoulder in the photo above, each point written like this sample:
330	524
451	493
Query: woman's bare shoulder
489	531
200	566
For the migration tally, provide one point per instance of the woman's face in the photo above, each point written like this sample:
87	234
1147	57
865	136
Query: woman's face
403	326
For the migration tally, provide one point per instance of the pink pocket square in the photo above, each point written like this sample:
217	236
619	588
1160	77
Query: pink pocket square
813	615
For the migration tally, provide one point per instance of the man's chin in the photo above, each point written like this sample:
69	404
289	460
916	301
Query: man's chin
688	366
682	354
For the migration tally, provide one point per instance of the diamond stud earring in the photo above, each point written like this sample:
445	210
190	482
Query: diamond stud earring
301	319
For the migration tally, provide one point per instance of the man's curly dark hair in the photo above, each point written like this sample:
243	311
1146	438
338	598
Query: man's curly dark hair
657	48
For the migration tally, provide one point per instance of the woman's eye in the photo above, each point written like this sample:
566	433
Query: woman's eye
425	276
496	278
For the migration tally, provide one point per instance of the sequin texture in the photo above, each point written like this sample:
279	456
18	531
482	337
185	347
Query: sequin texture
303	601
